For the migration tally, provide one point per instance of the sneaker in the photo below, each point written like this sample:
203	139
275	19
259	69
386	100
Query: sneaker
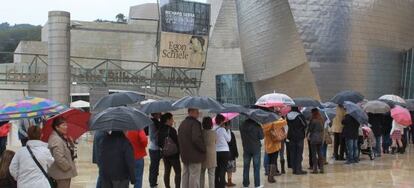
260	186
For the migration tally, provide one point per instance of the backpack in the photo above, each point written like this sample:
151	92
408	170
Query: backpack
170	147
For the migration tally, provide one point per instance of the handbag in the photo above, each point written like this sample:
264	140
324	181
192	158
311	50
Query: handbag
327	138
170	148
52	182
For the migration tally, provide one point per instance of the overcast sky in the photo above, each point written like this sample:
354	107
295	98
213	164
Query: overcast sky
35	11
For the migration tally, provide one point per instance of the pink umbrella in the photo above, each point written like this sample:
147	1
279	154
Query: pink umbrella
401	115
228	116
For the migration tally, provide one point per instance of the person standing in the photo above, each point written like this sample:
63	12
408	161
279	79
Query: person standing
376	121
251	136
386	138
272	145
193	149
63	151
296	136
315	135
117	161
234	154
350	133
154	150
223	151
396	132
6	179
339	141
97	145
23	167
167	130
210	163
139	142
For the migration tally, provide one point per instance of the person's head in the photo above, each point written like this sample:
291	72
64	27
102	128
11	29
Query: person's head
167	119
316	115
197	43
156	115
60	126
5	160
207	123
34	133
220	119
193	112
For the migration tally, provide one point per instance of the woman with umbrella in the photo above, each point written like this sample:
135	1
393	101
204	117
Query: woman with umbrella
63	151
315	137
351	132
396	132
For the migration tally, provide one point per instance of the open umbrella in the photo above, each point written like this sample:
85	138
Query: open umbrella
327	113
118	99
306	102
158	106
393	100
261	116
29	107
228	108
205	103
356	112
228	116
410	104
119	118
76	120
376	107
401	115
351	96
274	100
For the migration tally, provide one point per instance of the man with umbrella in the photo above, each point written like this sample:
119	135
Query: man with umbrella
296	135
154	149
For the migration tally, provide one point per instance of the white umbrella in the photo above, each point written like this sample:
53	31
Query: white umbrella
80	104
393	98
275	100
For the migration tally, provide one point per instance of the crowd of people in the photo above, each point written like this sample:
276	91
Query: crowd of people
198	148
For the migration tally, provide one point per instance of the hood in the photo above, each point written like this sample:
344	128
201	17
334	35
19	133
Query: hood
292	115
36	143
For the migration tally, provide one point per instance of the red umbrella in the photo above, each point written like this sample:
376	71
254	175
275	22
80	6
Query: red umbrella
76	120
401	115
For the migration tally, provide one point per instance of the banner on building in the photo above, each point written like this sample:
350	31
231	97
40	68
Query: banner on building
184	34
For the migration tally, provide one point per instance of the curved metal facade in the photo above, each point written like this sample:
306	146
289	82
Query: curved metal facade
349	44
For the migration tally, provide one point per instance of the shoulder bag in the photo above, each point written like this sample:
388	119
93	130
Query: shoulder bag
52	182
170	148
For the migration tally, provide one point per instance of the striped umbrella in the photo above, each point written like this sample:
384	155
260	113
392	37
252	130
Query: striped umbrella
29	107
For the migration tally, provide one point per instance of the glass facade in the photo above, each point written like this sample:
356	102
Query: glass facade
407	80
232	88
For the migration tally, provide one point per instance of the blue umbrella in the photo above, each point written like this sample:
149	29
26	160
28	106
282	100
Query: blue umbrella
356	112
198	103
261	116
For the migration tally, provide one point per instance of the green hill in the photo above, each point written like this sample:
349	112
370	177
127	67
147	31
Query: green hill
10	36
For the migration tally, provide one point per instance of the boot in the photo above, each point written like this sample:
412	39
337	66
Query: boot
267	169
393	150
401	150
277	172
272	172
282	166
230	183
321	163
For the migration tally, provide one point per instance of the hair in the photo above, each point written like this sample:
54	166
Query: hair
207	123
200	39
220	119
316	115
191	110
294	109
34	133
165	117
57	121
5	161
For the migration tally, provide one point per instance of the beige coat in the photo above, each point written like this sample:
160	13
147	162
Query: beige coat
63	167
337	121
209	137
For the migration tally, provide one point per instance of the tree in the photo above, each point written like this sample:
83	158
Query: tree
120	18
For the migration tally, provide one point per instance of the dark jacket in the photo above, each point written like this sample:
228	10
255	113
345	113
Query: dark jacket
351	127
234	153
97	145
165	131
315	131
297	126
387	125
117	158
376	121
251	134
190	139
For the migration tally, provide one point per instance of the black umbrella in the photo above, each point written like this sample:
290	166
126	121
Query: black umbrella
198	103
261	116
329	105
351	96
356	112
118	99
158	106
410	104
230	108
306	102
119	119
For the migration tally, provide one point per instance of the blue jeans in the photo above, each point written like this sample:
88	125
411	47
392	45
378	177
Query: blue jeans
247	157
352	147
139	172
266	163
386	142
155	157
99	180
378	146
324	150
